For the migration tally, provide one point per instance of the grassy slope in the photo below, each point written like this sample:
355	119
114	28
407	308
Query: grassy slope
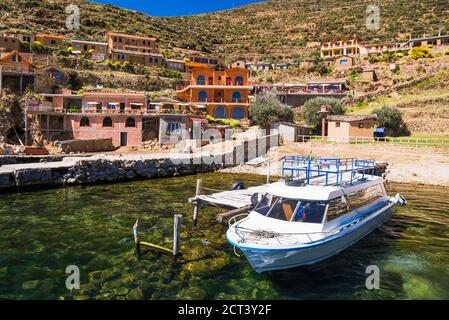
276	28
425	106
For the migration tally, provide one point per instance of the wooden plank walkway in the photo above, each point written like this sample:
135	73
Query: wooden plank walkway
231	199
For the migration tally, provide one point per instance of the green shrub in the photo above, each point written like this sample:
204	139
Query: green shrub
267	109
391	119
38	47
226	122
166	73
420	52
312	108
446	52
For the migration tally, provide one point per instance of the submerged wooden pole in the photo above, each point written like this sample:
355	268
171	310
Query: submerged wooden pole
136	237
199	186
176	233
232	213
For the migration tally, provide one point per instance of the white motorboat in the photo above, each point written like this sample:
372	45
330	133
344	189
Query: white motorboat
320	208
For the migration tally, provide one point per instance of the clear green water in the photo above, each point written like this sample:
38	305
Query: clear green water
42	232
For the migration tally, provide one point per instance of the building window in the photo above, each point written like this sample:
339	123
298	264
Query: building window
107	122
220	112
156	60
337	124
110	106
202	96
200	80
77	45
236	96
130	123
173	128
238	113
52	41
239	81
84	122
151	60
361	125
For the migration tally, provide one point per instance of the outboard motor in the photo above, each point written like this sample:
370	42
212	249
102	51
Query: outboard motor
400	199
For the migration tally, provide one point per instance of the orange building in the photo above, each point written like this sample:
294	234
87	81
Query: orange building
345	47
49	40
220	91
16	72
134	49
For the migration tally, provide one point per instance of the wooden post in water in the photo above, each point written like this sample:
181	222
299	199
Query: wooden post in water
176	233
136	237
199	186
269	171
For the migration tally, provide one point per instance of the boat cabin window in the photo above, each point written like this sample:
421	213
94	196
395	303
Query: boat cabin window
276	207
311	211
291	210
353	201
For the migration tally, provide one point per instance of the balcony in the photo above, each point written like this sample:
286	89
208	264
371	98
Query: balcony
218	83
17	70
220	100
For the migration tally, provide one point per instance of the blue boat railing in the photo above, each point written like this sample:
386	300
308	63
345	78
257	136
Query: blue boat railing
306	168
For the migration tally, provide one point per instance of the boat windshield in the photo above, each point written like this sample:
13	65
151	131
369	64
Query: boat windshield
291	210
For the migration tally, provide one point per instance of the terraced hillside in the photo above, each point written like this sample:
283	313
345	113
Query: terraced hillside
276	28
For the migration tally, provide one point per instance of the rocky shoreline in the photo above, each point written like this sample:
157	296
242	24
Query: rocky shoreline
98	170
114	168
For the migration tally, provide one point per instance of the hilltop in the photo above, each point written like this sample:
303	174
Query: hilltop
275	29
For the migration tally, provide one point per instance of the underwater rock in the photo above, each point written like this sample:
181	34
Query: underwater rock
192	293
208	266
135	294
417	288
29	285
196	251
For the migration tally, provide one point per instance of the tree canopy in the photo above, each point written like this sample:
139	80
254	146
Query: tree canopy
390	118
312	108
267	109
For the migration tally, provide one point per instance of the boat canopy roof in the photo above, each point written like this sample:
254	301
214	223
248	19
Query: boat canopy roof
319	192
307	192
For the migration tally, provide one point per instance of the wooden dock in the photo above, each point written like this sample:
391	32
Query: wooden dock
236	201
230	199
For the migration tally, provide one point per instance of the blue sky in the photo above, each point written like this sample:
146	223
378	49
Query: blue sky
176	7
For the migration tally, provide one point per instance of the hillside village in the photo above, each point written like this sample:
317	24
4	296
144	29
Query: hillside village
127	89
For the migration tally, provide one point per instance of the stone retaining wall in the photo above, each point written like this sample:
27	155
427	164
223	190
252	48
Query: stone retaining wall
89	170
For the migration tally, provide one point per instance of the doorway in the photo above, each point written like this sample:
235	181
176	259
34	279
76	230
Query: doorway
123	139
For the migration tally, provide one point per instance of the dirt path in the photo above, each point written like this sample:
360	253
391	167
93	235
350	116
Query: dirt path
407	165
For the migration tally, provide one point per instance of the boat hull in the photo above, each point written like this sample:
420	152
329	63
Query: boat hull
276	259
